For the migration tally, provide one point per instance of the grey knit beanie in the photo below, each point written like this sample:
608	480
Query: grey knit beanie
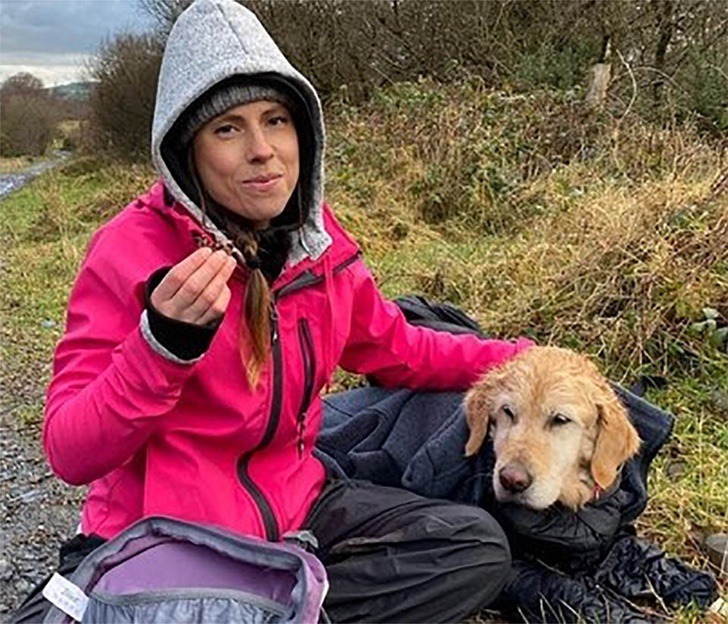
224	96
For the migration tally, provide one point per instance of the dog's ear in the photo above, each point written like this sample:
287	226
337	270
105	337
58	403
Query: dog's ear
617	439
477	405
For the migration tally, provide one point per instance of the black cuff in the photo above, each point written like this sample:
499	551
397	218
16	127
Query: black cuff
186	341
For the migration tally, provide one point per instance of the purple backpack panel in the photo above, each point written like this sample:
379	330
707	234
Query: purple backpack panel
166	570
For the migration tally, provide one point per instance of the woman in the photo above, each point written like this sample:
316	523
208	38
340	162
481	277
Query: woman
210	313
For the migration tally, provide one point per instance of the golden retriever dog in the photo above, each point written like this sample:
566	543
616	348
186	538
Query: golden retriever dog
559	431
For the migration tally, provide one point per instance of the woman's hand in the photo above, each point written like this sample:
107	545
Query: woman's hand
195	290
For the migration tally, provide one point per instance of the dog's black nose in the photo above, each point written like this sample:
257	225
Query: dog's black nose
514	477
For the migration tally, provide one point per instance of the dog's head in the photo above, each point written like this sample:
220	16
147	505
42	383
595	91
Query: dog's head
559	431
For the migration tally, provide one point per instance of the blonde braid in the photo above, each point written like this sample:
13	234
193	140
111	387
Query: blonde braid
256	309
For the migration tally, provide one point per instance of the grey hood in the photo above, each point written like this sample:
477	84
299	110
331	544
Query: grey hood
214	40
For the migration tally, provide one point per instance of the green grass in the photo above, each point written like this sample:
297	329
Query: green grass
44	230
531	213
690	476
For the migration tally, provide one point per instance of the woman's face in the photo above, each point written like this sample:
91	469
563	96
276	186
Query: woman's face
247	159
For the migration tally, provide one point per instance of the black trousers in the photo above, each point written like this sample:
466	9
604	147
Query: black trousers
394	556
390	555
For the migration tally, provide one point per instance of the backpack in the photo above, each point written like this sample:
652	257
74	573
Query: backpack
166	570
421	311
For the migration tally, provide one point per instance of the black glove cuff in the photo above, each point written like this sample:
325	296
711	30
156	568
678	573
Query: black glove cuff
186	341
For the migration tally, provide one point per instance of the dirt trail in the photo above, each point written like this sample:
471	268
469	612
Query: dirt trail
10	182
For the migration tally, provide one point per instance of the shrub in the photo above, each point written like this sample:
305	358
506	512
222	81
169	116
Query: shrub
122	103
29	117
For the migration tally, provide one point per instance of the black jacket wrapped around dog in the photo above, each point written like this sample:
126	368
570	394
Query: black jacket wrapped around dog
586	565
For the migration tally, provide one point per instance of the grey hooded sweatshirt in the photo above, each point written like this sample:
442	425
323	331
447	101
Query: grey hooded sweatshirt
214	40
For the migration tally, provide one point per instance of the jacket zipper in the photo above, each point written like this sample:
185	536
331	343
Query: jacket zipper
309	279
272	532
309	370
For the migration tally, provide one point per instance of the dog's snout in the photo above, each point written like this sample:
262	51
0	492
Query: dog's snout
515	478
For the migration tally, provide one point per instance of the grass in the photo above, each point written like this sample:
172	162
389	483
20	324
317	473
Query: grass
44	229
15	164
535	215
692	468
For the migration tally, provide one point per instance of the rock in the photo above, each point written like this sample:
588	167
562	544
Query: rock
38	512
676	468
23	587
719	607
6	570
30	496
717	548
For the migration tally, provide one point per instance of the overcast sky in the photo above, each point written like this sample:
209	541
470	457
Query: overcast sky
53	38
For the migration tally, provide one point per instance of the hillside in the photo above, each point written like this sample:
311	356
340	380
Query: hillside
79	91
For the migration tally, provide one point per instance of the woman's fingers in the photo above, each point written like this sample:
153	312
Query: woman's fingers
207	305
217	309
193	286
179	274
196	283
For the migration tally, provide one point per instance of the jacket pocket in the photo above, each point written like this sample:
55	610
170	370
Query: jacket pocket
308	356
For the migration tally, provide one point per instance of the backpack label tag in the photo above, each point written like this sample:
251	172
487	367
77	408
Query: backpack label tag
68	597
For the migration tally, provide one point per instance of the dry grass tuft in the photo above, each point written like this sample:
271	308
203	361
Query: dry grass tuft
539	216
15	164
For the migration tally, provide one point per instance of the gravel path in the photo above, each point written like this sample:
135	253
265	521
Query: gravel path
39	512
10	182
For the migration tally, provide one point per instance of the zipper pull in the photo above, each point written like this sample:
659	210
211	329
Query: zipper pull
273	323
300	445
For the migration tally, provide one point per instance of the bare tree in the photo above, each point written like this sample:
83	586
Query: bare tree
164	12
669	47
122	103
29	116
22	83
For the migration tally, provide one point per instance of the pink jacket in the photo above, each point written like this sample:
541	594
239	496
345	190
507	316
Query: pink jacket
154	437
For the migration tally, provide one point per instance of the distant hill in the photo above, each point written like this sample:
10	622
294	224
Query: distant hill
72	91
